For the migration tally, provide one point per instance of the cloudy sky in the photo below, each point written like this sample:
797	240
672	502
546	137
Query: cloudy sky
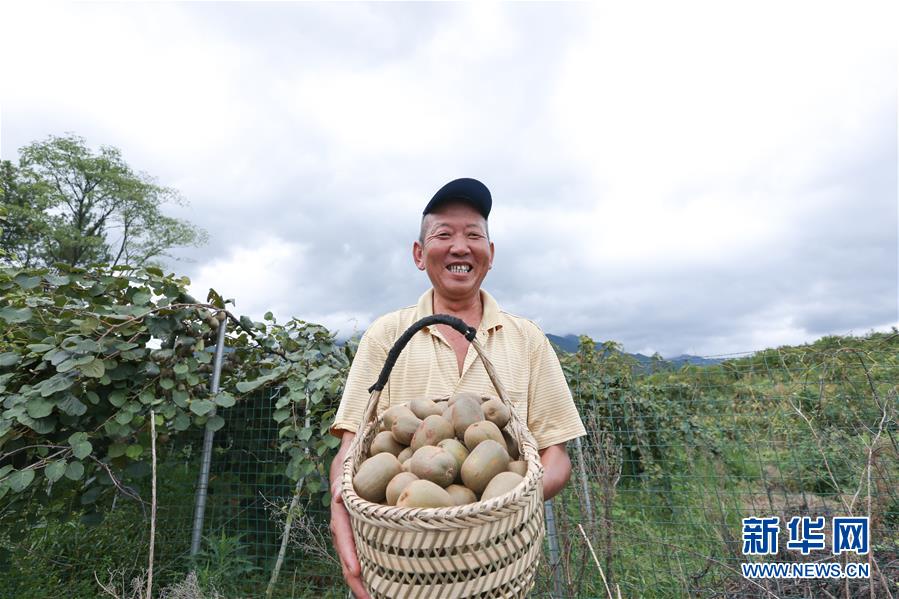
678	176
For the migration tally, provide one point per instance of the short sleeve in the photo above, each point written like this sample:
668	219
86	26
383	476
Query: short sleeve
364	371
552	415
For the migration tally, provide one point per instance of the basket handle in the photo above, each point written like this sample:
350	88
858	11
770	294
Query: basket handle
394	353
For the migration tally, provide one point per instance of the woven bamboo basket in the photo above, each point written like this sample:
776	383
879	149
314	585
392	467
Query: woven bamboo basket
486	549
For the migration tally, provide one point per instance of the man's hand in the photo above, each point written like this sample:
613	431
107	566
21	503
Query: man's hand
556	469
341	531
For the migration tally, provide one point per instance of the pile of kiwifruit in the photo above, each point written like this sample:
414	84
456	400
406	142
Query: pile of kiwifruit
441	454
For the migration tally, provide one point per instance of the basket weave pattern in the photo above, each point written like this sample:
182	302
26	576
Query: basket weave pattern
486	549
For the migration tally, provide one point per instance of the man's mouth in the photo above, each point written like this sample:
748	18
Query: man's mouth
459	268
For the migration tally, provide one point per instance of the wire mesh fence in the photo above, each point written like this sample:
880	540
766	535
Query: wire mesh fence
672	463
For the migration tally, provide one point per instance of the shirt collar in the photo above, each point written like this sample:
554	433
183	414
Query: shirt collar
489	319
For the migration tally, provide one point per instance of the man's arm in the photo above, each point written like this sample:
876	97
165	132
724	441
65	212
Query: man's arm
556	469
341	531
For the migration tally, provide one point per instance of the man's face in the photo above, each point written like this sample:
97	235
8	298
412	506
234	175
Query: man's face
456	253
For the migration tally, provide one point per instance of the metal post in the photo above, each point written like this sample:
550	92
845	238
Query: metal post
203	484
553	537
585	484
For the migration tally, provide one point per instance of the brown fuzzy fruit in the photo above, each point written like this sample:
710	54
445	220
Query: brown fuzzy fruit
434	464
461	495
374	475
497	412
519	467
397	485
459	451
466	411
501	484
424	493
424	408
511	446
481	431
404	427
405	455
465	395
487	460
431	431
392	413
384	441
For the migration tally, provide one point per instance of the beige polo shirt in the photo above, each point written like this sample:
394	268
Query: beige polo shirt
524	360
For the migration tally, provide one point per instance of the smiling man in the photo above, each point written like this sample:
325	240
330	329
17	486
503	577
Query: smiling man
455	250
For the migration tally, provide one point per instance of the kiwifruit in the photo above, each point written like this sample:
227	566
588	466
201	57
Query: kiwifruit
466	411
404	427
496	412
431	431
434	464
519	467
374	474
384	441
501	484
481	431
397	484
405	455
511	445
424	408
456	448
461	495
424	493
390	415
485	461
465	395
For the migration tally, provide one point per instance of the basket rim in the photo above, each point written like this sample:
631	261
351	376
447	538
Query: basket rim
429	517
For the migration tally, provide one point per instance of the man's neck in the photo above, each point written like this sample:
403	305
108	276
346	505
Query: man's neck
470	309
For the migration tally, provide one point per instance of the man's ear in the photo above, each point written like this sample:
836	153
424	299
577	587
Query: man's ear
418	256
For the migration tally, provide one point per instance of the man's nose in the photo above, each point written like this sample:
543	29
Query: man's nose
459	246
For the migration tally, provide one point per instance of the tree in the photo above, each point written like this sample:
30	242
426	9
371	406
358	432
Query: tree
69	204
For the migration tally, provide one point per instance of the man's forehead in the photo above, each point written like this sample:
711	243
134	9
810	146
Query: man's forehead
437	220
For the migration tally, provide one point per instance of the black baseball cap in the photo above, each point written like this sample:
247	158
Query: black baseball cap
467	190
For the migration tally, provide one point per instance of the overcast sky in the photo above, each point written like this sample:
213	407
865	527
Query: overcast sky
677	176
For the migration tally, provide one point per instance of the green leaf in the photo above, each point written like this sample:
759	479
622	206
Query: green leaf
39	407
94	368
215	423
118	397
75	470
181	422
180	398
55	470
73	406
141	298
319	372
181	368
167	384
116	450
224	399
15	315
76	438
40	348
82	450
89	325
20	479
201	407
55	384
281	415
305	434
9	359
26	282
134	451
124	417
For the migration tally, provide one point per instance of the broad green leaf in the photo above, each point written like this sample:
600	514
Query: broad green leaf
181	368
55	384
40	348
116	450
26	282
215	423
76	438
180	398
224	399
82	450
73	406
201	407
167	384
181	422
141	297
20	479
75	470
9	359
39	407
281	415
305	434
319	372
15	315
94	368
134	451
117	398
5	470
55	470
89	325
124	417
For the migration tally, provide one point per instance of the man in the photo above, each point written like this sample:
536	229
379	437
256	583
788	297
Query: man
455	250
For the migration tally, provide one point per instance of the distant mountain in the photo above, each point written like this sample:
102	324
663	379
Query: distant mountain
569	343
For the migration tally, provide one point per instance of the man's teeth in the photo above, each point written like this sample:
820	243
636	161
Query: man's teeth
459	268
